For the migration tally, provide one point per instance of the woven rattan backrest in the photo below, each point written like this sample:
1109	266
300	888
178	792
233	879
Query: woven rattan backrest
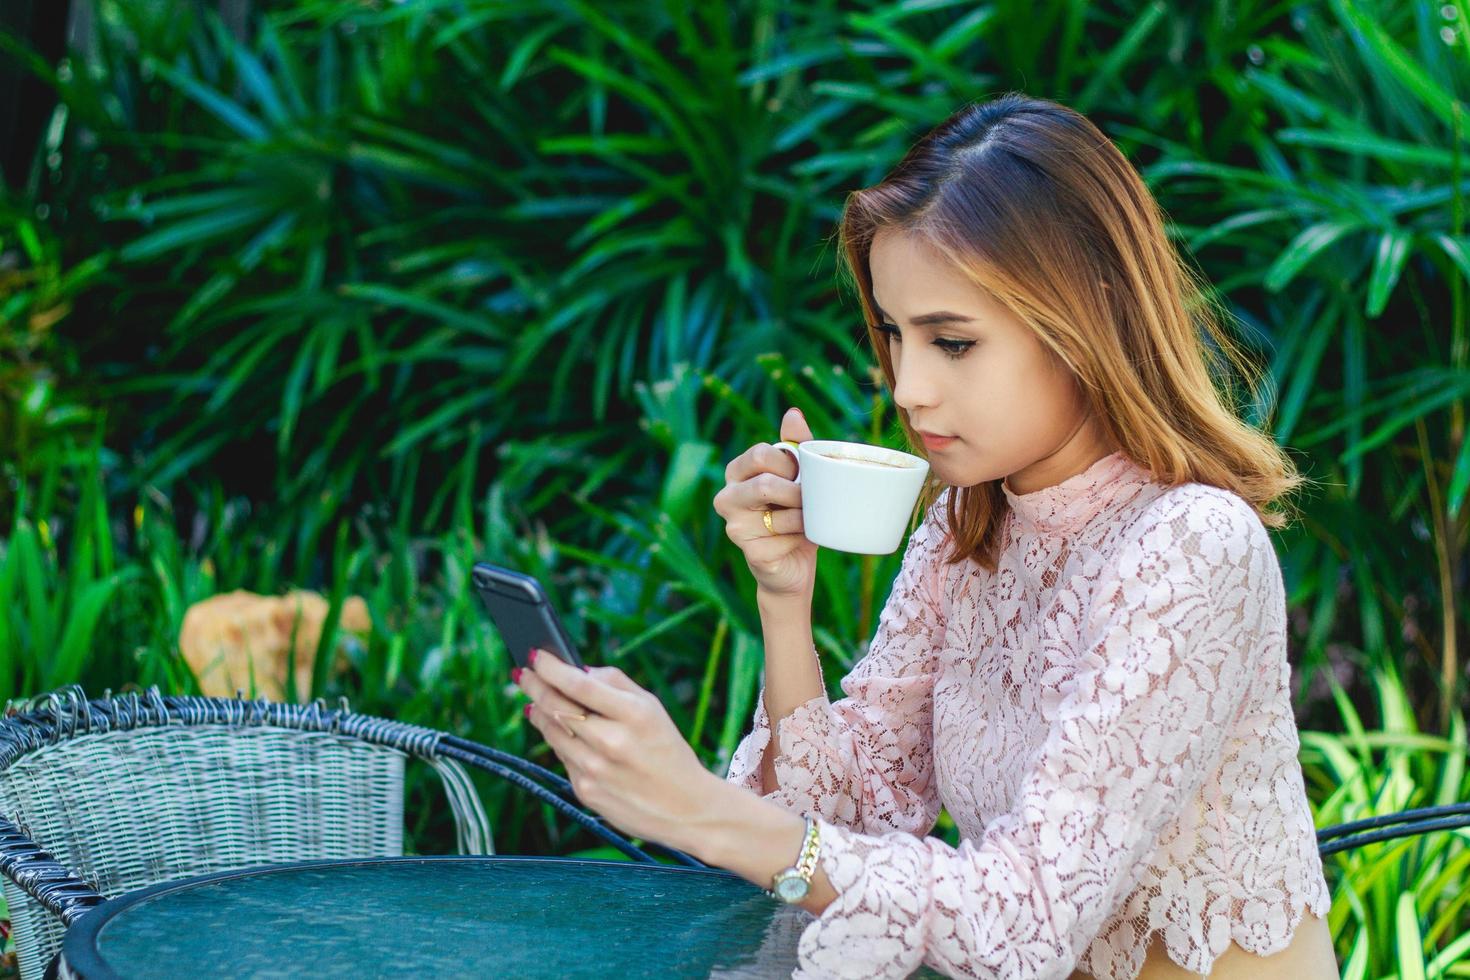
128	808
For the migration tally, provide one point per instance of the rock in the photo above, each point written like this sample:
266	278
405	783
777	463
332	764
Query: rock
241	640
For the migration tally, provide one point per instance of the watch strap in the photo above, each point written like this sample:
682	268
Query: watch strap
806	862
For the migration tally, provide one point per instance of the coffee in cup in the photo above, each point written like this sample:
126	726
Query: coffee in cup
856	497
865	462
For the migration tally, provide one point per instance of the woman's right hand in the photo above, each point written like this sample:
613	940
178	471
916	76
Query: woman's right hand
784	563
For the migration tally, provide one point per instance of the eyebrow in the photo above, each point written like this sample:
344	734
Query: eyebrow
930	319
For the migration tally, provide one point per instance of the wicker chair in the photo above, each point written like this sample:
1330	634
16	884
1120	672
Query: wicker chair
101	797
1344	836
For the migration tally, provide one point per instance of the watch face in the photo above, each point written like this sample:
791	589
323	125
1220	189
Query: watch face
791	889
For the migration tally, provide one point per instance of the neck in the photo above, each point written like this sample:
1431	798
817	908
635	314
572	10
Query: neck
1085	446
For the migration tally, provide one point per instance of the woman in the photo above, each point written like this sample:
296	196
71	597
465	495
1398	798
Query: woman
1083	657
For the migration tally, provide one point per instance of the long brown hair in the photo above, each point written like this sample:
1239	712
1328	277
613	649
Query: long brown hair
1034	204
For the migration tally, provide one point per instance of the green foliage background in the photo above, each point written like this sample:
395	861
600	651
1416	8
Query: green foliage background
365	292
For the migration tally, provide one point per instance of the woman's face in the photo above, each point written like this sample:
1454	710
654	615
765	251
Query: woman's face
1013	409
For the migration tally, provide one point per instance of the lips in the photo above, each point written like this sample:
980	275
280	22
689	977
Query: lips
932	441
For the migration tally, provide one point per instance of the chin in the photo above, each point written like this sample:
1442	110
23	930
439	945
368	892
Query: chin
965	474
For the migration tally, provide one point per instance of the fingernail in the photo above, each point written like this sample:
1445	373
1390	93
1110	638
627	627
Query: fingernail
527	712
531	658
515	675
799	412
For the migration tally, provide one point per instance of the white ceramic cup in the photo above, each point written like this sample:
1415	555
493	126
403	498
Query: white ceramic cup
861	502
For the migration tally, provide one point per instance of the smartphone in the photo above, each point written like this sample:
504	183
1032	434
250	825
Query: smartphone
522	614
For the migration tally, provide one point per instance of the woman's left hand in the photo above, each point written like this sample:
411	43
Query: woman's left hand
627	761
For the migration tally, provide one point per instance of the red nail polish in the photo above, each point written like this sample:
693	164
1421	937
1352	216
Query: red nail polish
531	658
515	675
528	711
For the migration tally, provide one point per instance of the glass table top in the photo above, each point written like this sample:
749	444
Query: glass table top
444	916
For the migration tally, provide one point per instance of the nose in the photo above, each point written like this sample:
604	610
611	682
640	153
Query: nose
912	387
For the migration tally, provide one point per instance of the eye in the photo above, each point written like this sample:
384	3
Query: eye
953	349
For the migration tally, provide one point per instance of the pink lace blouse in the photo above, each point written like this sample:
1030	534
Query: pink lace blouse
1106	717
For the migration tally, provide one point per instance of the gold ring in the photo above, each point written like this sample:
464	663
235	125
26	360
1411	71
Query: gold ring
766	517
560	715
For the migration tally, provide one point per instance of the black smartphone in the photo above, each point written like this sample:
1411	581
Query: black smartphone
521	612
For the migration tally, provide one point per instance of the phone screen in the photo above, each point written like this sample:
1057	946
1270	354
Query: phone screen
522	614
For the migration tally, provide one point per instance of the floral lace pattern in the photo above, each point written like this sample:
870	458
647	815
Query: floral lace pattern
1107	717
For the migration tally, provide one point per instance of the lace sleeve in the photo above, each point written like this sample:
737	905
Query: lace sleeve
1172	647
866	760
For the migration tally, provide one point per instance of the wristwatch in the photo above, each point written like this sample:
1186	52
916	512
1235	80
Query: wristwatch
792	884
